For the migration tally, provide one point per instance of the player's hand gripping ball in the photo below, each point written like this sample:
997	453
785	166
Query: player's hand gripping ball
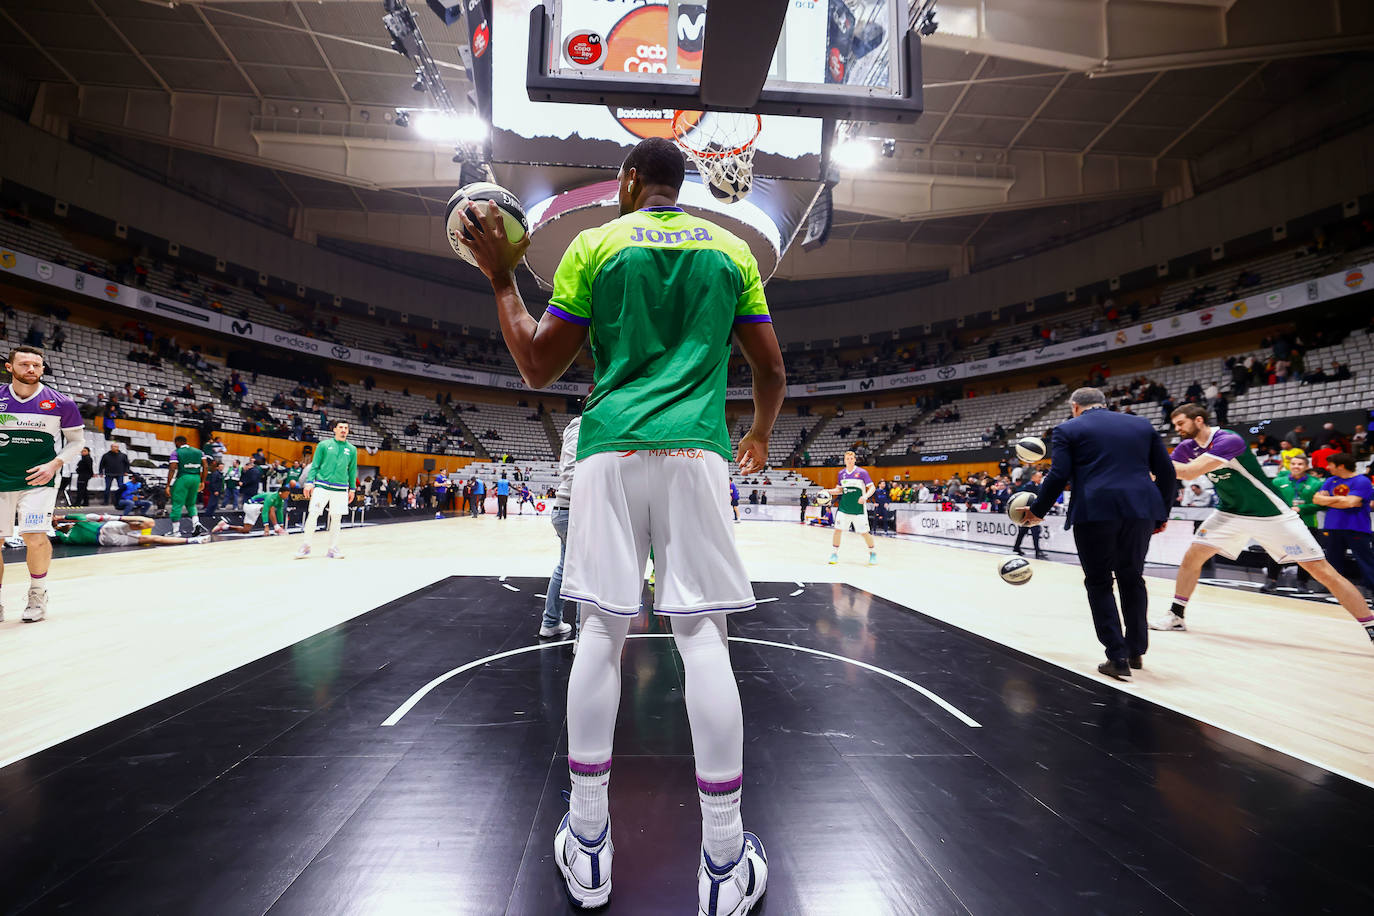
1015	571
472	201
823	499
1019	506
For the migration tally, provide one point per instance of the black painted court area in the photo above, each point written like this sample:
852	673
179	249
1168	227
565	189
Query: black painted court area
273	789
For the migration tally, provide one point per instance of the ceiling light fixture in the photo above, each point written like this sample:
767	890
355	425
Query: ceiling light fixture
853	154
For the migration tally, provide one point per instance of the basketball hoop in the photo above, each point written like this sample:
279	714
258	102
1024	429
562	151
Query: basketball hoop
721	145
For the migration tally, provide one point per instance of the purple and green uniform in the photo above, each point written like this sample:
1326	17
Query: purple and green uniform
31	433
852	485
660	291
1241	485
83	532
1297	492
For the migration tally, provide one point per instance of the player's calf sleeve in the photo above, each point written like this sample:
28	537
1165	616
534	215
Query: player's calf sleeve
713	708
593	703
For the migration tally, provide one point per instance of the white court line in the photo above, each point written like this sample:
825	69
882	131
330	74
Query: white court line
420	694
796	593
511	587
764	600
502	579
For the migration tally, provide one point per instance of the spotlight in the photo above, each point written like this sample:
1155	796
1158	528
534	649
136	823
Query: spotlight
853	154
889	148
419	84
402	119
448	128
365	115
928	24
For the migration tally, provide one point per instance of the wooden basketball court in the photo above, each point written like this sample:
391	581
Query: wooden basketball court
201	729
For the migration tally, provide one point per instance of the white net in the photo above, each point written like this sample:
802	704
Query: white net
721	145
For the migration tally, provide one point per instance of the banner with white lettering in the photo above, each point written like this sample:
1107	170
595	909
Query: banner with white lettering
1297	295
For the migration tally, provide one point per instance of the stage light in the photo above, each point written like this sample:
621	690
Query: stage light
402	118
853	154
889	148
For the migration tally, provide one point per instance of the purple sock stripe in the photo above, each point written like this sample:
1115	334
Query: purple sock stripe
1369	619
589	769
1180	599
720	788
38	575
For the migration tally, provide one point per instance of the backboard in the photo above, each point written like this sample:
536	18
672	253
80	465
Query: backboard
836	59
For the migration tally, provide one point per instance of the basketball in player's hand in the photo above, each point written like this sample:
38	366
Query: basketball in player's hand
1018	507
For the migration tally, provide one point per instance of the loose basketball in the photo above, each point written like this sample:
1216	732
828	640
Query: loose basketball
1018	506
822	499
512	211
1015	571
1030	449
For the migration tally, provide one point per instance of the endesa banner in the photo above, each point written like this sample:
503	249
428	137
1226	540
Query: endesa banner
25	265
1323	289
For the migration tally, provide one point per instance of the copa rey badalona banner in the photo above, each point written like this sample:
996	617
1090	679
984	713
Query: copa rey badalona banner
1322	289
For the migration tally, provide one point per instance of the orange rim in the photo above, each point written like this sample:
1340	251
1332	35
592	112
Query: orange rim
682	127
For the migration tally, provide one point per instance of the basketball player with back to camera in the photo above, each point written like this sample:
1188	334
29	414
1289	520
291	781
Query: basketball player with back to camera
854	489
1249	507
33	420
661	292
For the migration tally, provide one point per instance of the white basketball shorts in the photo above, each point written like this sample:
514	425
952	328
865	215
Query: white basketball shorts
27	511
675	500
858	522
118	534
1283	537
251	513
336	501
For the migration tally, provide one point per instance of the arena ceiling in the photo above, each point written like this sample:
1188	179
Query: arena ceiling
1045	119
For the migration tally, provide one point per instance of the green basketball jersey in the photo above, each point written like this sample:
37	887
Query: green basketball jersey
660	292
187	461
81	533
1241	485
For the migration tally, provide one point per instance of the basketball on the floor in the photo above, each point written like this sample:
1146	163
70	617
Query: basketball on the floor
1030	449
1015	571
823	499
1018	506
512	212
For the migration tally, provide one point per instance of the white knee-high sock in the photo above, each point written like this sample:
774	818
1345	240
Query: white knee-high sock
713	708
335	523
593	703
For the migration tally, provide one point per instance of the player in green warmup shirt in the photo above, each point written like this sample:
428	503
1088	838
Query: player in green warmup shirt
94	530
1296	486
268	508
329	483
187	468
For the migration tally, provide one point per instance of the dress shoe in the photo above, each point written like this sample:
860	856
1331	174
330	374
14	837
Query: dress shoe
1041	555
1118	669
1136	662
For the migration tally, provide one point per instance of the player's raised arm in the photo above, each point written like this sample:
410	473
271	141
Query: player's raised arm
542	350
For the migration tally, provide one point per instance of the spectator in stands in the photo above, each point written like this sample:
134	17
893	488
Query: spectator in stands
251	480
114	464
111	415
233	476
259	458
1198	497
1347	496
1321	458
1297	435
85	470
1288	451
1359	442
214	488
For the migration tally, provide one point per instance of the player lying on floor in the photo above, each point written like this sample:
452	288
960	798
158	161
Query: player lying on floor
93	529
268	508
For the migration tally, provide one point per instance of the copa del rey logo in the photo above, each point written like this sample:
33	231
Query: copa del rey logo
1354	279
47	405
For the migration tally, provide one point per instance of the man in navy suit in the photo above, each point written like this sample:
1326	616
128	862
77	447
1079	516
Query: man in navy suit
1114	509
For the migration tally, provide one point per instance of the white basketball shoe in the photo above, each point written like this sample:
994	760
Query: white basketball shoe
732	890
38	605
1169	621
586	867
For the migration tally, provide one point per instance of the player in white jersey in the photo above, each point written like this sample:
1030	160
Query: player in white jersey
33	420
854	490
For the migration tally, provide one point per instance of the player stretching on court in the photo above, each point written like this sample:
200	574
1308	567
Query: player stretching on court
269	508
661	292
855	488
330	482
93	529
186	469
33	418
1249	507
